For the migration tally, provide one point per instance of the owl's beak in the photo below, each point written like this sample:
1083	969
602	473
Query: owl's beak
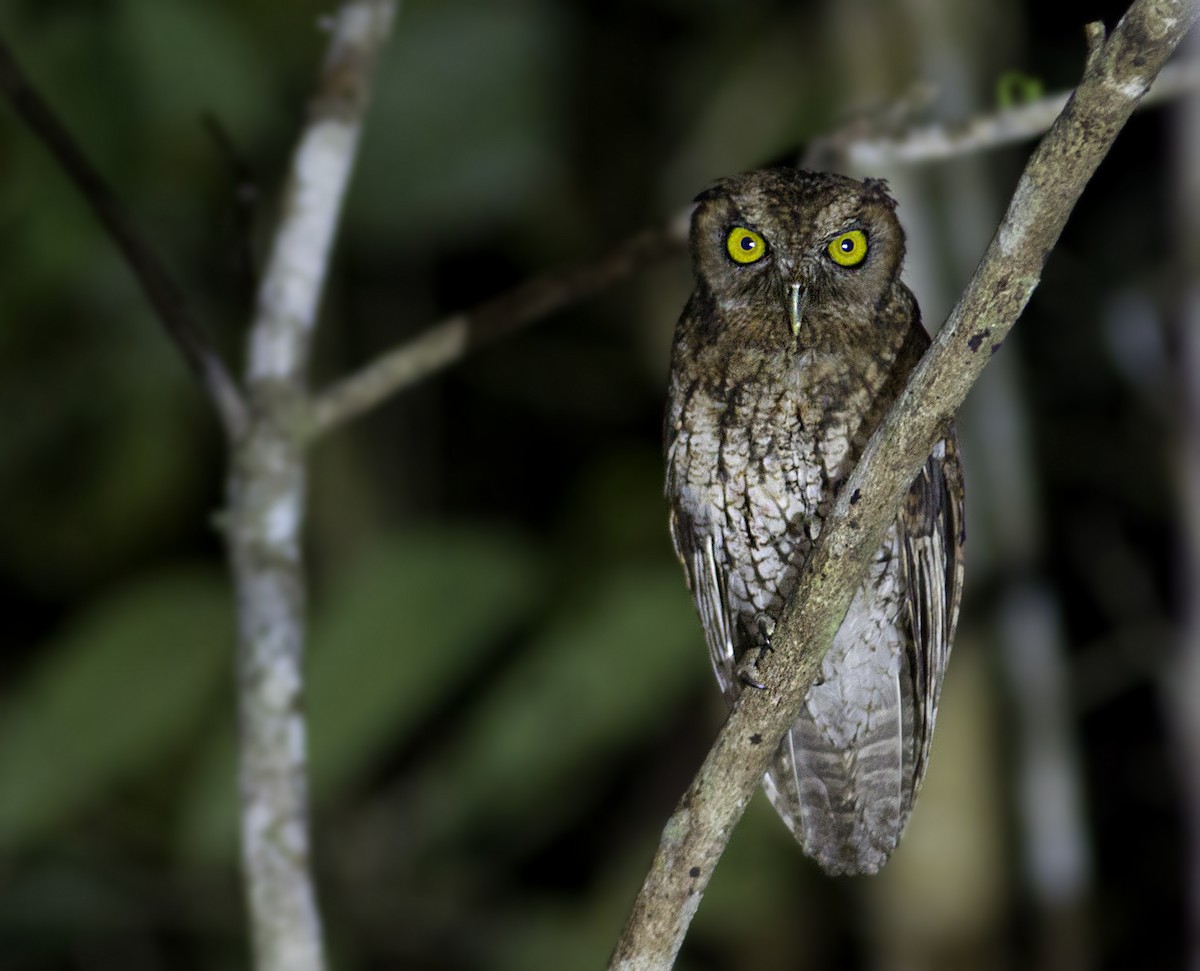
797	298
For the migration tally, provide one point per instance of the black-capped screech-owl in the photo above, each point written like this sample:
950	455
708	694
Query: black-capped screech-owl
797	338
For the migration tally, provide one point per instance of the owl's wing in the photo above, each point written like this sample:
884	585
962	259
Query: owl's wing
932	542
699	541
697	549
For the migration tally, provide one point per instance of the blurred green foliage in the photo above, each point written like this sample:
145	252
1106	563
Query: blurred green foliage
1017	88
395	636
120	690
444	160
508	688
609	664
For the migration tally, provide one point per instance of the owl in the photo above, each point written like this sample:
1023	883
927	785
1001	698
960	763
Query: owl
797	338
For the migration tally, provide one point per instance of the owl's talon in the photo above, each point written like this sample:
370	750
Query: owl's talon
748	681
766	627
748	669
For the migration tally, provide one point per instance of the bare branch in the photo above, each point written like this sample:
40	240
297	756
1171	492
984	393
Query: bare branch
930	143
266	504
162	292
1115	79
445	343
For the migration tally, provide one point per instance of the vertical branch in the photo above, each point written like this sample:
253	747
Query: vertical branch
1025	620
266	505
1027	627
1182	685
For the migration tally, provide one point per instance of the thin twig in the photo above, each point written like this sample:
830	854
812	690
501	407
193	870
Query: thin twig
695	836
930	143
245	208
447	342
266	504
164	295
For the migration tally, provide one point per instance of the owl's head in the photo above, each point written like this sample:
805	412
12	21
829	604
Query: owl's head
796	249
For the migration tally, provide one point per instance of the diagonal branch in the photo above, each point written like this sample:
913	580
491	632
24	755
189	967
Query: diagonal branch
1117	75
267	480
160	289
449	341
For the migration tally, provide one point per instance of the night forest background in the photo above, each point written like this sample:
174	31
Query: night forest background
508	685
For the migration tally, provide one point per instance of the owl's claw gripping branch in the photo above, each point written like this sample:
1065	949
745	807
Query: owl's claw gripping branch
747	671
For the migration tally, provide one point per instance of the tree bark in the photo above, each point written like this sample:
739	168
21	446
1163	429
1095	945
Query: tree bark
1118	73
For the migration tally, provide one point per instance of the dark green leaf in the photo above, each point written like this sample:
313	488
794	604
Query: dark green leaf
116	694
465	111
400	629
608	668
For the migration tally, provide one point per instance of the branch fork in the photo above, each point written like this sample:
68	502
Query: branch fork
271	420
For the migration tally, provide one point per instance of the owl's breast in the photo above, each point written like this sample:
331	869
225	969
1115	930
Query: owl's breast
744	470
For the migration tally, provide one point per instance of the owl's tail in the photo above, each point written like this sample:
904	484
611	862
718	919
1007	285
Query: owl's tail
839	777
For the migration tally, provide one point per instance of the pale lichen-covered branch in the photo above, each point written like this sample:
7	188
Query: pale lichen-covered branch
1118	74
266	505
933	142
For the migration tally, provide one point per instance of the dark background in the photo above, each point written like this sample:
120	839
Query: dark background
508	685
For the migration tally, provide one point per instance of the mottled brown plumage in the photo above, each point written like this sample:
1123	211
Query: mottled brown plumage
784	362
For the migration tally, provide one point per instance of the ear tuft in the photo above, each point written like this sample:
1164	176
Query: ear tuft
879	189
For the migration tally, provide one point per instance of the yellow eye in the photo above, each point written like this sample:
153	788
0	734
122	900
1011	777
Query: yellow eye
849	249
745	245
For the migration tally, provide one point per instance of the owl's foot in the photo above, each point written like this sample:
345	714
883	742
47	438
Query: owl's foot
748	669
